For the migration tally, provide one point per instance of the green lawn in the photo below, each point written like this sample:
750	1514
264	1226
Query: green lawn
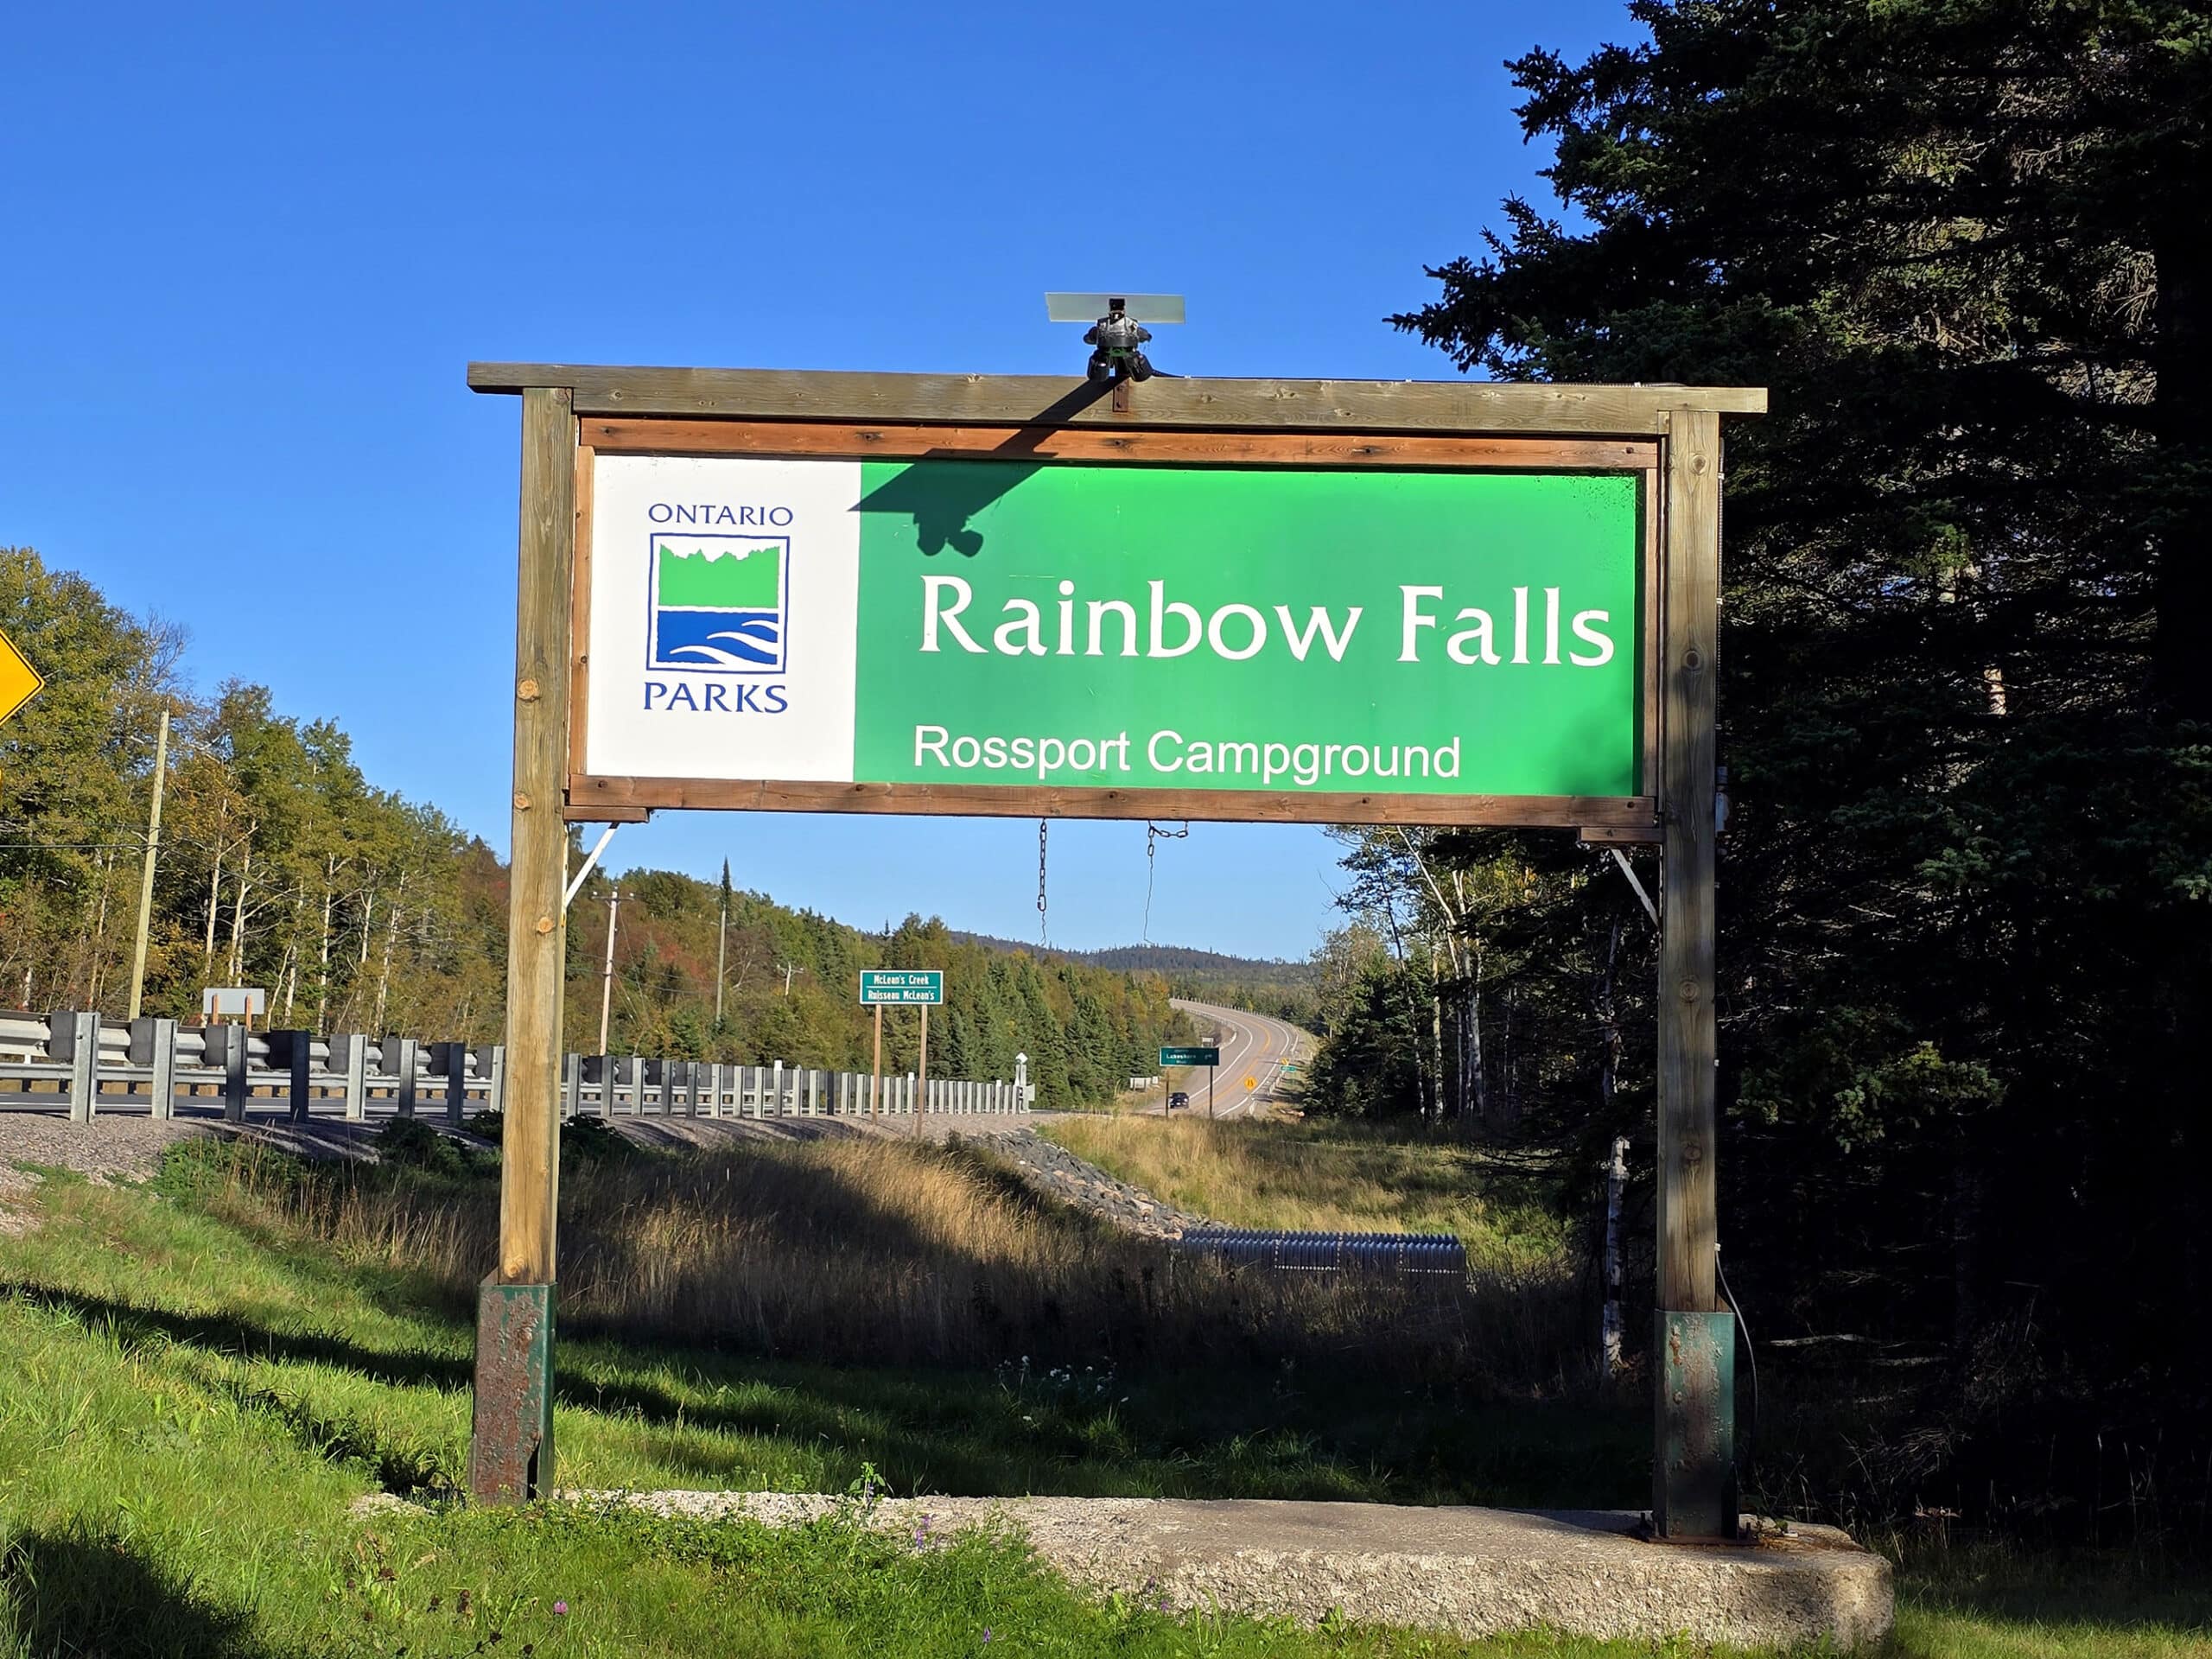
189	1406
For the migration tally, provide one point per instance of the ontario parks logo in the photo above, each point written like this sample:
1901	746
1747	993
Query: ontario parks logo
718	602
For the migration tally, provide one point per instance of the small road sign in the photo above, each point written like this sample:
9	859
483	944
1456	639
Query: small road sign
233	1001
19	681
899	986
1190	1056
1251	1083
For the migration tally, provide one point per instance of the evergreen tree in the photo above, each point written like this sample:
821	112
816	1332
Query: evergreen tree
1963	889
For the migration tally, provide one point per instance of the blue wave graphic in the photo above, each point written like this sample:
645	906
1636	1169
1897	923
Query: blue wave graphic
688	638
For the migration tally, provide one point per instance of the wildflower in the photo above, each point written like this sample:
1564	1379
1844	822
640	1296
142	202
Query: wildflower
986	1636
560	1607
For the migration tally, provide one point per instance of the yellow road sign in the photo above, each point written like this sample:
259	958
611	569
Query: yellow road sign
1251	1083
19	681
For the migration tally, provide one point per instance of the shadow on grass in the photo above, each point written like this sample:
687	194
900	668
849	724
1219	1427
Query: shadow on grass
74	1593
2113	1589
1213	1434
136	1324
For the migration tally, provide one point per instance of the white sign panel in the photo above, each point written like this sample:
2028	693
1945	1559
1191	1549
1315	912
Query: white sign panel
723	595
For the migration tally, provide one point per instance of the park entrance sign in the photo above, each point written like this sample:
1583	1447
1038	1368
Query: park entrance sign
1316	601
1317	642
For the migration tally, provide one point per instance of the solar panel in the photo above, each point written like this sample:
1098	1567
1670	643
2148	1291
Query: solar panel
1088	307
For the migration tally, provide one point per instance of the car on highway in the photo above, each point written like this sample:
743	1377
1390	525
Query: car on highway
1178	1100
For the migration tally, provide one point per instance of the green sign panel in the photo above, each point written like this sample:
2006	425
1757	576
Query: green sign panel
902	985
1019	624
1190	1056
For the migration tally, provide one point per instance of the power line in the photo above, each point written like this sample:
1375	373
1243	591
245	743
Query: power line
72	845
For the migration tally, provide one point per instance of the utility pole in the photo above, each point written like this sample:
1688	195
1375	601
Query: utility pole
722	946
606	974
146	874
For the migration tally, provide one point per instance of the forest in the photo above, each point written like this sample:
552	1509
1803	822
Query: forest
1966	949
281	866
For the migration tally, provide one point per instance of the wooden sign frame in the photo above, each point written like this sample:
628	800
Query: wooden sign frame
598	799
1670	434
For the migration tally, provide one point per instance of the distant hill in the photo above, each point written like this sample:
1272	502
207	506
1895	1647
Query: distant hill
1264	985
1167	960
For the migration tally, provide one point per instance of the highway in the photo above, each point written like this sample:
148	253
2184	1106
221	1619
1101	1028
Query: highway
1252	1045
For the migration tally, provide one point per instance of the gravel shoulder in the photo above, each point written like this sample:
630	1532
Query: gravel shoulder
1051	1169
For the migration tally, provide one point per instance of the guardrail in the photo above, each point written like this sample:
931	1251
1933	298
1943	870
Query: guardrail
99	1065
1330	1252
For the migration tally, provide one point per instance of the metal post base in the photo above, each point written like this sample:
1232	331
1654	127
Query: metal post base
511	1432
1693	1460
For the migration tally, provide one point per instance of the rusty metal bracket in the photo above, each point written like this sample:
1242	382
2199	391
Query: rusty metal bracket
511	1432
1694	1474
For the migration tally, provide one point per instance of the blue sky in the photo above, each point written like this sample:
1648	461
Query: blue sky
248	252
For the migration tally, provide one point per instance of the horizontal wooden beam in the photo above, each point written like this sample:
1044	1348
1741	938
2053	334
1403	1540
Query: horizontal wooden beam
1466	406
1621	835
615	435
589	798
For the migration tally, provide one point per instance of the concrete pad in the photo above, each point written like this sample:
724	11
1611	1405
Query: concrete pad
1472	1572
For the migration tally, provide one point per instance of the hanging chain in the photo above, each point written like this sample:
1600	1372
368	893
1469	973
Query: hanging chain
1044	937
1153	835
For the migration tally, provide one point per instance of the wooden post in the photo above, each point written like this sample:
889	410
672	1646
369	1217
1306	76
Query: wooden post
875	1082
234	1045
403	1070
1694	1478
299	1067
921	1074
511	1453
456	1060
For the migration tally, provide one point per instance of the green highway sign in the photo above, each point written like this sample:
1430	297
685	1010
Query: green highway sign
1190	1056
902	985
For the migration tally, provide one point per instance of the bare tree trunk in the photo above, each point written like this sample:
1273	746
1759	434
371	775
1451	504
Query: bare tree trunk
322	969
236	962
391	936
103	863
1436	1025
214	896
1609	1028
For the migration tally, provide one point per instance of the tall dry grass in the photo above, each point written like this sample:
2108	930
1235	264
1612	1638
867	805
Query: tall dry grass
881	1252
1324	1177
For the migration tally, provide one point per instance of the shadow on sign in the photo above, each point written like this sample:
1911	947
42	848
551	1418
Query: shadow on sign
941	500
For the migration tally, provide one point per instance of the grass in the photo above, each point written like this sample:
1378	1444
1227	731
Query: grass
1322	1176
196	1382
913	1256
